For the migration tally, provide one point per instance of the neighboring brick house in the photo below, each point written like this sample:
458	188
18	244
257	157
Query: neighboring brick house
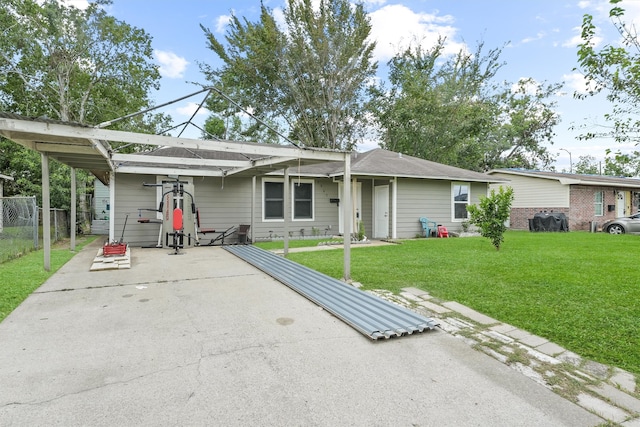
584	199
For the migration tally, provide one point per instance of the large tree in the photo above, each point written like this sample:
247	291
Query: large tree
614	69
309	79
451	110
73	65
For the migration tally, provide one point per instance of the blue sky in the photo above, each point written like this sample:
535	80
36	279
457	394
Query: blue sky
538	37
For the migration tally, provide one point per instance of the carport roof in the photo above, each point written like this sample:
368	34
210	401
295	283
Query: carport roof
89	148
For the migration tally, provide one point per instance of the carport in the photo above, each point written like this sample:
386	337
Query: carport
89	148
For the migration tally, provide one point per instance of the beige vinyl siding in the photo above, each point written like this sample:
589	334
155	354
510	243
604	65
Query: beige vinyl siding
534	192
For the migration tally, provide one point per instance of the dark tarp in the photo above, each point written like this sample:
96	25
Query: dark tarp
543	221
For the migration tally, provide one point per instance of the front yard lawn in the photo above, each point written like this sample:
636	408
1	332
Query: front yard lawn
579	290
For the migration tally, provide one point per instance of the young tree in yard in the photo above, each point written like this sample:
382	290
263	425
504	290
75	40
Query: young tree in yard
309	78
73	65
450	110
491	215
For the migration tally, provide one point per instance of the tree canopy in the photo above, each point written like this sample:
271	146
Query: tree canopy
64	63
451	110
613	70
308	79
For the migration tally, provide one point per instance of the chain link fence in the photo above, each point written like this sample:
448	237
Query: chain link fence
18	226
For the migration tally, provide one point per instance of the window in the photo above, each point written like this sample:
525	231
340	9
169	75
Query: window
598	203
273	200
301	194
302	200
460	199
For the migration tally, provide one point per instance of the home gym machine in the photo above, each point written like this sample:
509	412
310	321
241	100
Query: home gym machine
178	222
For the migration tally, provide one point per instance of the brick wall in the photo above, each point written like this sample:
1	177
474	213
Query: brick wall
580	214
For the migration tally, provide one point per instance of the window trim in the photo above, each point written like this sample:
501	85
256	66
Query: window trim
292	183
453	201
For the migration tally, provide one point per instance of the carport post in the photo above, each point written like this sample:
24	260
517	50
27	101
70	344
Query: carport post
346	214
72	226
287	210
46	212
253	206
112	207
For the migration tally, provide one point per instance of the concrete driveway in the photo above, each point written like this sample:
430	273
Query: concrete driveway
205	339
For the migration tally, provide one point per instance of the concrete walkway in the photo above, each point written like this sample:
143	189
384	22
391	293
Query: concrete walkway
205	339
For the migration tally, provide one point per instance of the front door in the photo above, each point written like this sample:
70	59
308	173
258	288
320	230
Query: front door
620	204
381	219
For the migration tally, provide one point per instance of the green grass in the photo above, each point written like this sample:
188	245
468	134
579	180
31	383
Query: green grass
22	276
579	290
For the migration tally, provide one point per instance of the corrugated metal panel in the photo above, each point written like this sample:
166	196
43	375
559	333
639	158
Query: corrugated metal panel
370	315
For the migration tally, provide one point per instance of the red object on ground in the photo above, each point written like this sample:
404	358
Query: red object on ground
177	219
442	231
114	249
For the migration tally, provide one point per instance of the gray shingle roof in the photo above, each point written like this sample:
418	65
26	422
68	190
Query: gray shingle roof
385	163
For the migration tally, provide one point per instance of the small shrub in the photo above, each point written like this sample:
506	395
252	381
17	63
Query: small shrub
492	213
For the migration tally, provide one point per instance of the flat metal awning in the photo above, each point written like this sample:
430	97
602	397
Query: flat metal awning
368	314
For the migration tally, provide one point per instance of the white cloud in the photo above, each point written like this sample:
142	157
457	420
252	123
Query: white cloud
577	38
171	65
189	108
538	36
578	83
222	22
396	27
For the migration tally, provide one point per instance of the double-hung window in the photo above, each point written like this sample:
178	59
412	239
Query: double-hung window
460	200
301	196
598	203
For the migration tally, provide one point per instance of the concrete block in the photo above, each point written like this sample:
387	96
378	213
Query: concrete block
624	380
418	292
619	398
526	338
410	296
502	328
470	313
552	349
632	423
602	408
436	308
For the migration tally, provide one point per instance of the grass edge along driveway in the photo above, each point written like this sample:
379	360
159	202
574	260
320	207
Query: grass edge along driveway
22	276
580	290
